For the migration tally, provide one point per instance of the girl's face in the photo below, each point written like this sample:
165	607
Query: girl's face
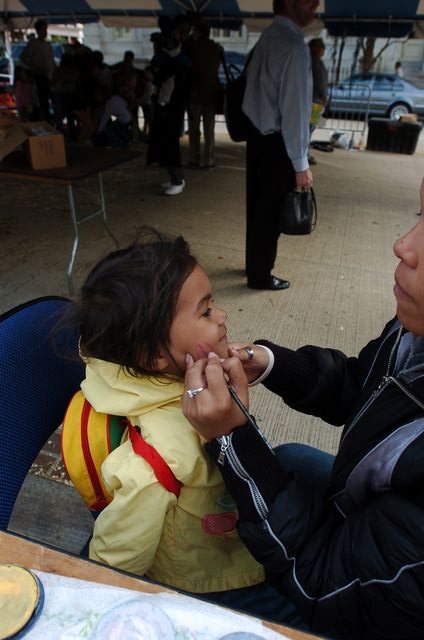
199	325
409	276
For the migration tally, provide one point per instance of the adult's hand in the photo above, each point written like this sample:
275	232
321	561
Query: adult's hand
304	179
212	411
253	366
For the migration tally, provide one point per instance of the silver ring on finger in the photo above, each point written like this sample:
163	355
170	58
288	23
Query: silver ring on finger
250	352
192	393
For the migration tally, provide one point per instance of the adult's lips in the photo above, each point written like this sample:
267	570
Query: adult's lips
400	293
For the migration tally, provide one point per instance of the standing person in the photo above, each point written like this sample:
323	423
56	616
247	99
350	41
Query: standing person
342	536
171	82
140	311
398	69
277	100
38	57
206	57
146	102
25	93
319	84
65	85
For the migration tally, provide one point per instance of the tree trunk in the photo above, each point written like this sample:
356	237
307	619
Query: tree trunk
368	58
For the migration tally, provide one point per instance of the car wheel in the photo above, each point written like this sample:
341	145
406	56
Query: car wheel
397	110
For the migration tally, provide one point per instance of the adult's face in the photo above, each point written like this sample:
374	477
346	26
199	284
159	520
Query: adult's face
42	32
409	275
302	12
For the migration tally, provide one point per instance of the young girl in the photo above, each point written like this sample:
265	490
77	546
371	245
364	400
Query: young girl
141	311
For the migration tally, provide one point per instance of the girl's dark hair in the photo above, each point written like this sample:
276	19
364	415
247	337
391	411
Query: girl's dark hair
128	301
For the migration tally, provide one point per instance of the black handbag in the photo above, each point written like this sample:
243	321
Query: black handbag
238	124
299	213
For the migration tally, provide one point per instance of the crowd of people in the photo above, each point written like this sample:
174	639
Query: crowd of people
89	100
76	94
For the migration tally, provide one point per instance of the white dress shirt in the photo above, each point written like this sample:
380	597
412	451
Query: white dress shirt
278	94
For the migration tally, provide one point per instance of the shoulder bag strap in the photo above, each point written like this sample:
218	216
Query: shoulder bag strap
160	468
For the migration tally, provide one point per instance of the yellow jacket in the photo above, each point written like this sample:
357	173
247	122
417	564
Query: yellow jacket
145	530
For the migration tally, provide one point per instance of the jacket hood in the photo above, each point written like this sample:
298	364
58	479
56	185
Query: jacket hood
110	389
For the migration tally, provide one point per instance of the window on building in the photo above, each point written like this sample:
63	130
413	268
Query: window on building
123	34
226	34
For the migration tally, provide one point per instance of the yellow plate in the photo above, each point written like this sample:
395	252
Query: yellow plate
19	594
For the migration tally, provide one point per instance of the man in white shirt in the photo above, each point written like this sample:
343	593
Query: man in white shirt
278	102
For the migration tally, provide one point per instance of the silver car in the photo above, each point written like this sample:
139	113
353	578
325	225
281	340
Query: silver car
376	94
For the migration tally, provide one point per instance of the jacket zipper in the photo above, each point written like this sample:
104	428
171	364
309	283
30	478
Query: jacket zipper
227	453
385	380
407	392
91	467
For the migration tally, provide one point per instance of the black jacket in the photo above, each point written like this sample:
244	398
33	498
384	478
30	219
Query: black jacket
353	563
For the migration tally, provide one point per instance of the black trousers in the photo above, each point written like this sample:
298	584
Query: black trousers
269	177
44	94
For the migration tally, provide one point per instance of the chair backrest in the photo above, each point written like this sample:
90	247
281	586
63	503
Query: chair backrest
36	384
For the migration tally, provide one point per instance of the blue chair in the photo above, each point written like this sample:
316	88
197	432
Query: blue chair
36	384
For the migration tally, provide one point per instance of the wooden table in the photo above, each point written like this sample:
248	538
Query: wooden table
82	162
18	550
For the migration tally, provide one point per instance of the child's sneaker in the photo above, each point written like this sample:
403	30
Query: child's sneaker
175	189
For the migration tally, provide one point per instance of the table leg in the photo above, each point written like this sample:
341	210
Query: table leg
77	221
76	239
103	210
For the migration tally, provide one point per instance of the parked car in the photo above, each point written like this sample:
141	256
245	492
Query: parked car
376	94
4	69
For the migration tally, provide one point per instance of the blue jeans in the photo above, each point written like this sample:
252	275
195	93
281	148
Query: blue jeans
263	600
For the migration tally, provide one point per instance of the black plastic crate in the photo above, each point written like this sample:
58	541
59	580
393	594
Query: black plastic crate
393	135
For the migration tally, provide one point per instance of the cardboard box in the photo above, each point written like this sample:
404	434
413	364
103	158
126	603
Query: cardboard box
12	136
43	145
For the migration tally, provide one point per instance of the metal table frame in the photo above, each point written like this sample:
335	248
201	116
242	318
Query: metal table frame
83	162
76	221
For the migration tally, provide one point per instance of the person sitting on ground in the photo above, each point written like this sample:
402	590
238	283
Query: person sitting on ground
115	125
341	537
140	311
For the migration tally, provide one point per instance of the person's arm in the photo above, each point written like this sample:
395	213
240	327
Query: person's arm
353	577
128	531
295	104
356	576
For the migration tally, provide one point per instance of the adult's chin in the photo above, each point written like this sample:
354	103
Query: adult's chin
411	321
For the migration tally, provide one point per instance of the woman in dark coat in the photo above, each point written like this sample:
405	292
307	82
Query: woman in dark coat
343	537
171	81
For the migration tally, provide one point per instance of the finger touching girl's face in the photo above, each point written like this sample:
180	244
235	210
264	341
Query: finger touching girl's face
409	275
199	324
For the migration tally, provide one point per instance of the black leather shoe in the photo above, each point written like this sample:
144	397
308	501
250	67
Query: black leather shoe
273	284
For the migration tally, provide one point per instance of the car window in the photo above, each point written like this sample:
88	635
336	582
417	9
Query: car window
358	81
399	86
384	83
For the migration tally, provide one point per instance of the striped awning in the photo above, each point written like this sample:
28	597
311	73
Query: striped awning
341	17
